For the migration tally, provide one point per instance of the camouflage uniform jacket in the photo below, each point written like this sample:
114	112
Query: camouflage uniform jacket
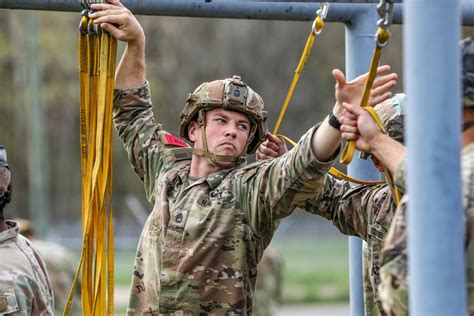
25	287
363	211
200	246
394	285
60	262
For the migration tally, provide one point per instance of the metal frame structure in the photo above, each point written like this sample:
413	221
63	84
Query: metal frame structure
436	230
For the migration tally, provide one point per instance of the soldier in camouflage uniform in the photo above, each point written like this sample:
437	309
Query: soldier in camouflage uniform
25	288
364	211
269	283
213	216
393	288
60	262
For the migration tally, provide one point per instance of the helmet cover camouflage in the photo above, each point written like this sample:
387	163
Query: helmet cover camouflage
230	94
391	113
467	51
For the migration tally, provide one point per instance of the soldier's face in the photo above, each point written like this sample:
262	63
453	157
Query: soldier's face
226	132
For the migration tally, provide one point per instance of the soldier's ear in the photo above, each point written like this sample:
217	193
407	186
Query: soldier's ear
193	131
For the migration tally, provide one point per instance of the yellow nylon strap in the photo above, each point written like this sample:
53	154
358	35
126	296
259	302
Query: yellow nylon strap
336	173
383	36
97	54
319	24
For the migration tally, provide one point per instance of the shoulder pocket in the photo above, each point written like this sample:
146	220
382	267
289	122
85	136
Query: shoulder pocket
8	302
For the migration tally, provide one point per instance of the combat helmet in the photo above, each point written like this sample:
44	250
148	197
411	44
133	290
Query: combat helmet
230	94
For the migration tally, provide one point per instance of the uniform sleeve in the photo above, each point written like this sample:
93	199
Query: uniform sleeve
393	288
271	190
400	176
357	211
140	134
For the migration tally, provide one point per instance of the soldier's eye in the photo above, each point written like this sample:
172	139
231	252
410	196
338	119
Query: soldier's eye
243	126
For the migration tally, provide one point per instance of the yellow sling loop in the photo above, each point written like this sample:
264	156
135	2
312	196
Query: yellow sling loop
97	54
385	9
317	28
382	35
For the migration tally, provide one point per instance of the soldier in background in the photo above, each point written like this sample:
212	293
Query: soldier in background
268	288
60	262
394	278
365	211
25	287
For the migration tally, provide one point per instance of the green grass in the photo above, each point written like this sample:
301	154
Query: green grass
315	272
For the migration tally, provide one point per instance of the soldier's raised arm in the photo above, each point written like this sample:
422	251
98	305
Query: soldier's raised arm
327	137
116	19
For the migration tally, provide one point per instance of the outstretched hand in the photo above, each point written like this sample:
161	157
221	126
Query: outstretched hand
358	125
351	92
272	147
116	19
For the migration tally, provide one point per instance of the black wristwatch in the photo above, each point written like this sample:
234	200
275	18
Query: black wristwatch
333	121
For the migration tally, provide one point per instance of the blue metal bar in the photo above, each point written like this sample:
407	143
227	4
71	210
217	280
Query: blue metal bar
435	216
360	42
288	11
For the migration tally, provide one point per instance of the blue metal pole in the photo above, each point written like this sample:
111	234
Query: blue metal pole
435	217
260	10
360	37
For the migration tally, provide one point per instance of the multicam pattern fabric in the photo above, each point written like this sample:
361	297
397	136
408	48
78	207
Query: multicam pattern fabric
394	288
363	211
467	51
25	287
200	246
60	262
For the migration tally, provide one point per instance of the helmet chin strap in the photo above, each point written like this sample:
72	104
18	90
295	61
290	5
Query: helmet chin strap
222	161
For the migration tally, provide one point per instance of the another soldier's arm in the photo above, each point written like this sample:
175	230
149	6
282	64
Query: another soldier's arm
327	138
353	210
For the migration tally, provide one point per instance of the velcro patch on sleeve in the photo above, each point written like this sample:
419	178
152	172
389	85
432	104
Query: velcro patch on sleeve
172	140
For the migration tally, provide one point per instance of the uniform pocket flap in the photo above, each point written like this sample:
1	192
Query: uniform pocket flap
8	302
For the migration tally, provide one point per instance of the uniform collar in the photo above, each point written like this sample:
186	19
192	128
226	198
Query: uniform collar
213	180
216	178
467	149
11	232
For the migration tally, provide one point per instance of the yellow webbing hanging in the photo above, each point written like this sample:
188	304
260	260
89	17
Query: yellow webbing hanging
385	10
317	28
382	36
318	25
97	54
